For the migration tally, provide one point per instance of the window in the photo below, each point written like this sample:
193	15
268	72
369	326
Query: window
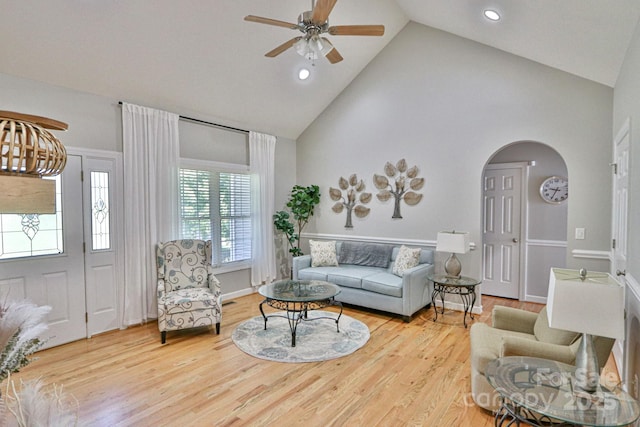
216	205
100	233
28	235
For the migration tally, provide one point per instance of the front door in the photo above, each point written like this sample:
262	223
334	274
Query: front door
501	231
41	259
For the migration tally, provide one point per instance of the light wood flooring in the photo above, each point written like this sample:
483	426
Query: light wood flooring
413	374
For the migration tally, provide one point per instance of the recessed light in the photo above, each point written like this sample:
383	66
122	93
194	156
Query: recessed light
492	15
303	74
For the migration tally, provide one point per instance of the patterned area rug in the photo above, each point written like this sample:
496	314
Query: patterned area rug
316	340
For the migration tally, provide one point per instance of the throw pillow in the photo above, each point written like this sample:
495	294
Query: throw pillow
407	258
323	254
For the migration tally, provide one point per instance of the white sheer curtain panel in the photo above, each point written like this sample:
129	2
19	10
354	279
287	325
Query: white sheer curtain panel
262	150
151	154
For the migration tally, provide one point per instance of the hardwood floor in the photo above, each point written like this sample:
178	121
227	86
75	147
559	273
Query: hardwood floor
413	373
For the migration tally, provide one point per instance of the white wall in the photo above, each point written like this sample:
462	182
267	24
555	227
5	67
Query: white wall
95	123
447	104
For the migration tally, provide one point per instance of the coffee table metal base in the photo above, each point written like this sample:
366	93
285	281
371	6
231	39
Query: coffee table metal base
297	312
511	414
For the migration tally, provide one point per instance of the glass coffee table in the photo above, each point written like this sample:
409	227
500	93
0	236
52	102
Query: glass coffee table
539	392
296	298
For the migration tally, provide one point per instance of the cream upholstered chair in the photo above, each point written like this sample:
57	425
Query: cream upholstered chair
188	293
521	333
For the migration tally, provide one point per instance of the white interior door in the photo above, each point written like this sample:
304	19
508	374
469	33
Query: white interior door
102	275
501	231
620	202
50	270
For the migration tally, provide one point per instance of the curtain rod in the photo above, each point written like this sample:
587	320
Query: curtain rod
191	119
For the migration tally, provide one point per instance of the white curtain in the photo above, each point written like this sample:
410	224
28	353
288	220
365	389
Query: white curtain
151	154
262	149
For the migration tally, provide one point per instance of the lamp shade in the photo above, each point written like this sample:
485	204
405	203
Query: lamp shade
592	306
453	241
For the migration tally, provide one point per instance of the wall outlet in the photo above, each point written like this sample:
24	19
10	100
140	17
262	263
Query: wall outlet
579	233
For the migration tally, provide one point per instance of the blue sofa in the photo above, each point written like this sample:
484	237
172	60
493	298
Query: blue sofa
374	287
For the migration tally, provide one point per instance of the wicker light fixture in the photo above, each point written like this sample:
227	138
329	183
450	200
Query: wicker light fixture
28	152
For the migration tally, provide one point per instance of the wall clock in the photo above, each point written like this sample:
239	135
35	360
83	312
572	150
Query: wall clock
554	189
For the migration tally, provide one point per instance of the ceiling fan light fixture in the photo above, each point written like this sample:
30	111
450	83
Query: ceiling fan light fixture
303	48
491	15
321	45
313	24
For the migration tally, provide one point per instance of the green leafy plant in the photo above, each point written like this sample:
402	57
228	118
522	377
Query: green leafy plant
302	202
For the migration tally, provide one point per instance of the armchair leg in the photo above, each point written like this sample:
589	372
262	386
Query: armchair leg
163	336
218	328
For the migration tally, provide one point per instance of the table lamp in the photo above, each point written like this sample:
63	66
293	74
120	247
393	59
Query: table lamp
456	242
592	304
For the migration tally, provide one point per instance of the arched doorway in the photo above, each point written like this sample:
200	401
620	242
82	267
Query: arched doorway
523	235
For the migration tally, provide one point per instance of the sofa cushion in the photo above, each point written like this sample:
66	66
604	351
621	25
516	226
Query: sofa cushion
315	273
407	258
351	275
383	283
544	333
323	254
368	254
486	343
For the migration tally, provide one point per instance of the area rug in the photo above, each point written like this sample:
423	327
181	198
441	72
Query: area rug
316	340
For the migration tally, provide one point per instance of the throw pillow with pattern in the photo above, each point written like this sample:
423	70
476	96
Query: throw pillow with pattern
407	258
323	254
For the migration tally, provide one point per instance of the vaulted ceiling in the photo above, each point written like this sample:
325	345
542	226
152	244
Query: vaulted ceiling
200	58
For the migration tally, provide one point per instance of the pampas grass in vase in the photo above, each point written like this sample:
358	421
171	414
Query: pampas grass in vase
21	322
33	406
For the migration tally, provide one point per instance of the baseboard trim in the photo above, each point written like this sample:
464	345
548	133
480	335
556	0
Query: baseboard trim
536	299
448	305
240	293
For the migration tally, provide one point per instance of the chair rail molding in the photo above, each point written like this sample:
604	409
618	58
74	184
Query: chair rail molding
370	239
589	254
547	243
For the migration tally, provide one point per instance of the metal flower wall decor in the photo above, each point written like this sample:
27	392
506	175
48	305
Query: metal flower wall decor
398	189
353	194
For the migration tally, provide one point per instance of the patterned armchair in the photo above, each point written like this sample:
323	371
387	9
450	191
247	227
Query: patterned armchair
188	293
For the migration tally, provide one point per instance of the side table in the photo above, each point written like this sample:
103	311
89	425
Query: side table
539	392
463	286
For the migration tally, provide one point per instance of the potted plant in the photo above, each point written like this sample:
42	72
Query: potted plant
301	203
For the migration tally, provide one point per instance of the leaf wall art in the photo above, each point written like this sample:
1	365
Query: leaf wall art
350	196
399	182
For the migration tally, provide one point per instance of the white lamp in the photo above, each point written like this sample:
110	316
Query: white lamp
592	304
456	242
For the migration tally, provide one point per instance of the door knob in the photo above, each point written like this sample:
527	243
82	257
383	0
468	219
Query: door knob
515	240
621	273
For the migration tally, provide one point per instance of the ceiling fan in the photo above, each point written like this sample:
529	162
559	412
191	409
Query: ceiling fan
312	24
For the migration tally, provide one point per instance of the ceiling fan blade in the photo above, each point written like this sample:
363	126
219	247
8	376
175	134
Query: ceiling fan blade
269	21
284	46
334	56
322	10
357	30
